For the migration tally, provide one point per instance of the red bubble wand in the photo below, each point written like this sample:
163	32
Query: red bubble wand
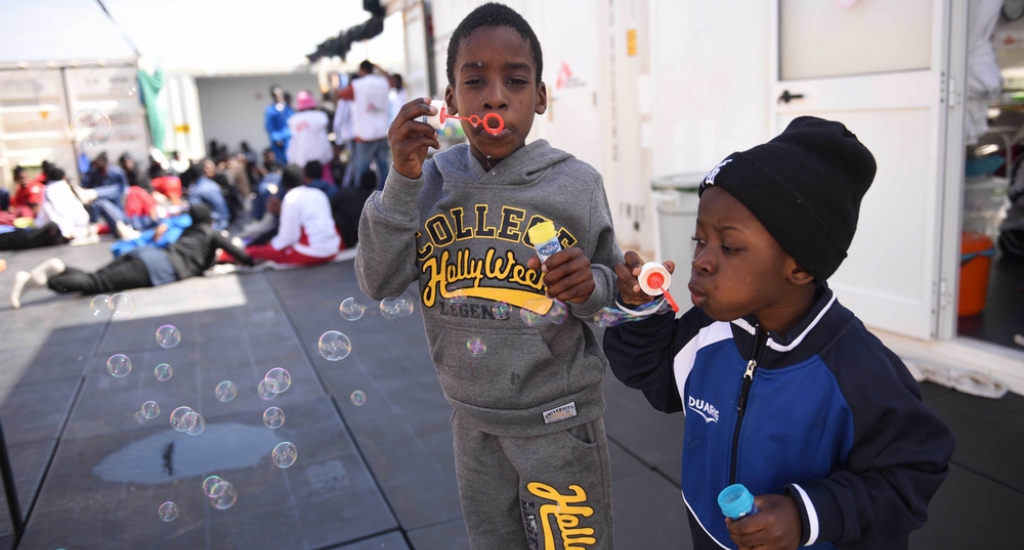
475	121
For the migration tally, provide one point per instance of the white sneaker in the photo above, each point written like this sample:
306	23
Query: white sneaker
81	241
127	232
21	278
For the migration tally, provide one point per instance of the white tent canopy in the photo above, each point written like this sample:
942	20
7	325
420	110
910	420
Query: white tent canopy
188	36
58	31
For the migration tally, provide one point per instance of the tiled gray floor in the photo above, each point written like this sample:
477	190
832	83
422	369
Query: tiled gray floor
28	461
989	434
36	412
404	428
237	328
932	391
968	512
648	509
653	436
445	536
390	541
118	481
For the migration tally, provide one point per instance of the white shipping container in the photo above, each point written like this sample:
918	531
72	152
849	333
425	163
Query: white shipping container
38	107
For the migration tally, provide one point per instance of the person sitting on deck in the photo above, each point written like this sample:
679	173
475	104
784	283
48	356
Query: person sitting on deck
306	234
193	253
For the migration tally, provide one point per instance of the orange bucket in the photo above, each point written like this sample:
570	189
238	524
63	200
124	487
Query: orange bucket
976	252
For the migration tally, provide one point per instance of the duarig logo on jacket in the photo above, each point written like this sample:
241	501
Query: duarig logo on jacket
825	413
706	410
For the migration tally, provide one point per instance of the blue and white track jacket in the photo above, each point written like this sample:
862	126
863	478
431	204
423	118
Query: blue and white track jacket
825	413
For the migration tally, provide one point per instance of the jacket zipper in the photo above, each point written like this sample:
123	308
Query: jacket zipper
760	343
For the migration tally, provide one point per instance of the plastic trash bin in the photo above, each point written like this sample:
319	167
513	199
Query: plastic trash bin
675	200
985	204
976	252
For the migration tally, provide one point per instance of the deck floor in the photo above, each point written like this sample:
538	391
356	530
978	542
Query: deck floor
377	476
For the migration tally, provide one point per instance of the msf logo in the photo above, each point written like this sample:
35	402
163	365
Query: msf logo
710	178
706	410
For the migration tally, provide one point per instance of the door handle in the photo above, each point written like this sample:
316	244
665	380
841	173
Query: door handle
786	97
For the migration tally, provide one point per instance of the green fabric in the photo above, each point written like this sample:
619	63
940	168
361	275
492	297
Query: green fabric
152	88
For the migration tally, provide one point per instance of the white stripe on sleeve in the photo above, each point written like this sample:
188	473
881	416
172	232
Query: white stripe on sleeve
812	515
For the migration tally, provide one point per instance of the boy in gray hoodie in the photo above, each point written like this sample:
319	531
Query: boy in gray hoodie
531	453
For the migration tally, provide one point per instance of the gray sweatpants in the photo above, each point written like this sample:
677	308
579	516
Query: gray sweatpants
551	492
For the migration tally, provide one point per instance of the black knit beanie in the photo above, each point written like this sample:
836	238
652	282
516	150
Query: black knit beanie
805	187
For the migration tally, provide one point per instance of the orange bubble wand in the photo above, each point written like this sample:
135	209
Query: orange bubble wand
475	120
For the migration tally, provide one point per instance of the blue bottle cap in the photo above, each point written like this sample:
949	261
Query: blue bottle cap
735	501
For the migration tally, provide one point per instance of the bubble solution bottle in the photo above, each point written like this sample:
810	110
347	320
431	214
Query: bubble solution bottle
737	502
545	240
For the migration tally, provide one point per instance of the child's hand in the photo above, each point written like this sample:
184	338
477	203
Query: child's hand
629	287
410	138
776	527
568	275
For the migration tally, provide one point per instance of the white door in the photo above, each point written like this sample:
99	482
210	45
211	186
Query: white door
880	68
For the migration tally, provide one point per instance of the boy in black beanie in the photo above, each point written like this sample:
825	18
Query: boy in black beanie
784	390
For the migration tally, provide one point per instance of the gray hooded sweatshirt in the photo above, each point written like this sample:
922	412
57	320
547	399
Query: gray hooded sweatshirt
462	232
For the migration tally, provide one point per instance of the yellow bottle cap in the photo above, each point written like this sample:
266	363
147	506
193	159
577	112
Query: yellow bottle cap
542	232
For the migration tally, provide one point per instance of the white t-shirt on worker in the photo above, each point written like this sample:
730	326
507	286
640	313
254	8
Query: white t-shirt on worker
309	138
306	224
62	207
396	99
343	123
370	105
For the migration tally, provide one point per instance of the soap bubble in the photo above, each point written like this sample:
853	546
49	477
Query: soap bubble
163	372
335	346
168	511
151	409
352	311
225	391
168	336
264	391
99	304
214	486
227	498
119	366
457	298
278	380
284	455
198	425
396	308
556	315
273	418
476	347
122	305
183	418
501	310
140	417
607	318
358	398
91	126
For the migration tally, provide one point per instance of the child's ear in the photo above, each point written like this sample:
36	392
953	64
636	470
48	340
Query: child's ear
449	98
542	99
798	275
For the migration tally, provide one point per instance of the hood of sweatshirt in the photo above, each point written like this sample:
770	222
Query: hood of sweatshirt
523	167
